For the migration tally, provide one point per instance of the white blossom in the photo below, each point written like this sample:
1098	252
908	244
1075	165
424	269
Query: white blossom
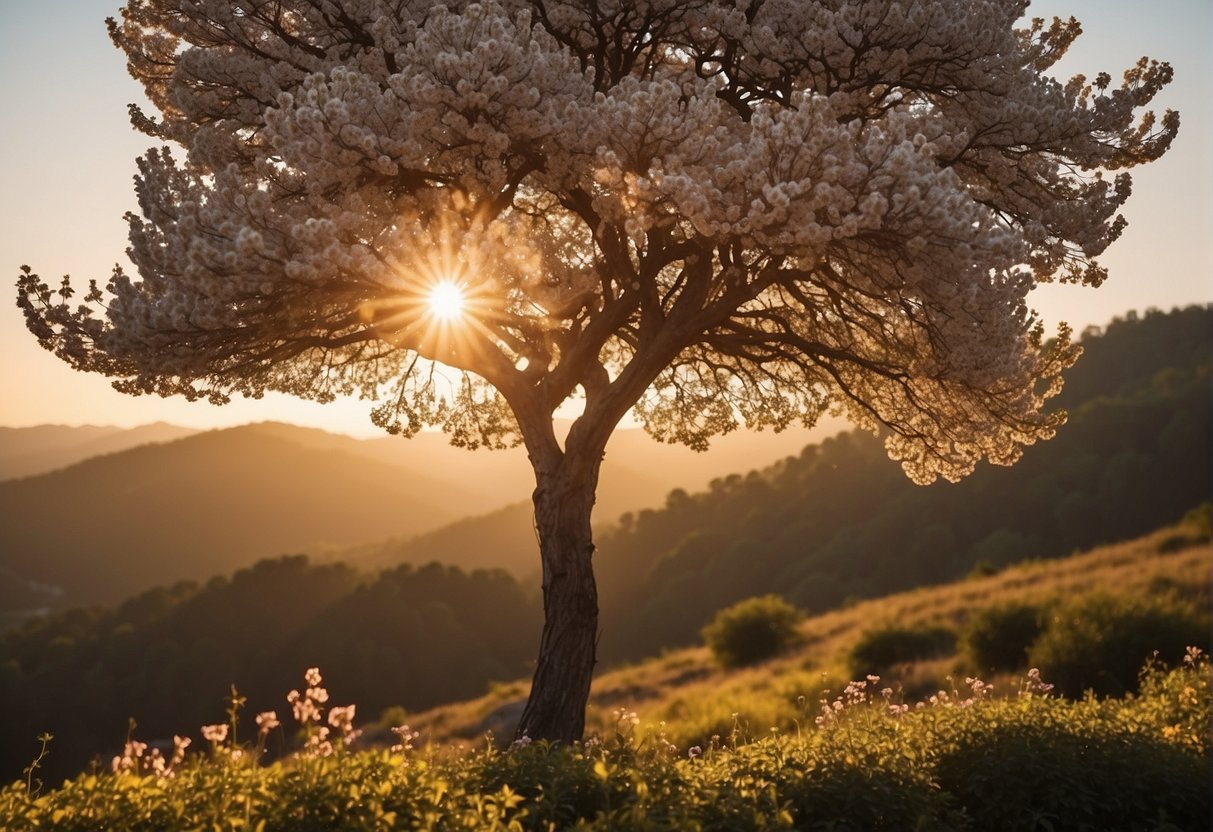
717	212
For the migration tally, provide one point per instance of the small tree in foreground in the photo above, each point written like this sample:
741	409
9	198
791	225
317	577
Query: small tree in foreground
707	213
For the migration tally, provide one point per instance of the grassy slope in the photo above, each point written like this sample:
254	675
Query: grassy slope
961	763
696	698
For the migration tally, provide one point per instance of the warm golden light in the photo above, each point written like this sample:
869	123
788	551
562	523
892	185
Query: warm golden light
446	301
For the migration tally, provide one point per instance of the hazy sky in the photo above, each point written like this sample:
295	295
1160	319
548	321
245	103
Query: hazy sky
67	160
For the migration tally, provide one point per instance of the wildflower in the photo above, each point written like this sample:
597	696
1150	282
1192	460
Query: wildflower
179	746
1034	684
267	721
693	752
318	743
407	735
303	707
343	720
129	759
312	677
214	733
521	742
342	717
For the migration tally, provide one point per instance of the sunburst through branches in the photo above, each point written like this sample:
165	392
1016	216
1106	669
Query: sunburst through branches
446	300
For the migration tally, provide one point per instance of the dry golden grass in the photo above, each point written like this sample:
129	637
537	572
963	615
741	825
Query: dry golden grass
685	696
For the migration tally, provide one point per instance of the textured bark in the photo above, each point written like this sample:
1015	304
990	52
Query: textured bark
564	499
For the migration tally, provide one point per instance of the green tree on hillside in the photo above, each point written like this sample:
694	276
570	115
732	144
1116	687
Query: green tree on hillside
705	212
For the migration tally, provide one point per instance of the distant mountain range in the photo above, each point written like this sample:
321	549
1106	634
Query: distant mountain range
94	514
27	452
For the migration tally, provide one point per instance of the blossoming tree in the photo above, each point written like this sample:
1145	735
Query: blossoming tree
707	213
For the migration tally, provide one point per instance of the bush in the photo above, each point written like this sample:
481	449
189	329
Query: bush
1049	767
878	650
752	630
1099	641
998	638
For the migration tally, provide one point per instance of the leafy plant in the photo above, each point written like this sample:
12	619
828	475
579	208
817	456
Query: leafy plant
752	630
1053	765
1099	641
997	638
887	646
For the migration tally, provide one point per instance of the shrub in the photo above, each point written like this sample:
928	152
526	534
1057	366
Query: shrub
880	649
752	630
998	638
1099	641
1049	766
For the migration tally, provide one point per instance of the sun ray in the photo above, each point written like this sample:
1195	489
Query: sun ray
446	300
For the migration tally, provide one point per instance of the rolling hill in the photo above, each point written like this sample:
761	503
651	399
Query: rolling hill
204	505
132	517
27	452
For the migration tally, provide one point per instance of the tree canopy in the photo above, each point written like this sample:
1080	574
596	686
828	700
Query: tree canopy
712	211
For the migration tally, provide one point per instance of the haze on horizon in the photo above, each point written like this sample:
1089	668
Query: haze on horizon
67	160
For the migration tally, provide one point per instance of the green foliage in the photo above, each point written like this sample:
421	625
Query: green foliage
1099	641
964	762
997	638
752	630
1050	766
1175	703
880	649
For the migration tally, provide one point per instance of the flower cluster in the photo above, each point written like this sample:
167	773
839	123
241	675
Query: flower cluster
1033	685
407	736
136	759
308	708
868	693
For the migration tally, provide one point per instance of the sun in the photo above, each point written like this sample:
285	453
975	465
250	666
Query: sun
446	301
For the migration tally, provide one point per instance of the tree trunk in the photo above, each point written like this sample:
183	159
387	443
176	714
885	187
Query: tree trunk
560	690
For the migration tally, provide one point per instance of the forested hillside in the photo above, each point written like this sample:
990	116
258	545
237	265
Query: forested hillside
411	637
841	521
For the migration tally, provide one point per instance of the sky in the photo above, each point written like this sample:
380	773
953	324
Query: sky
67	156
